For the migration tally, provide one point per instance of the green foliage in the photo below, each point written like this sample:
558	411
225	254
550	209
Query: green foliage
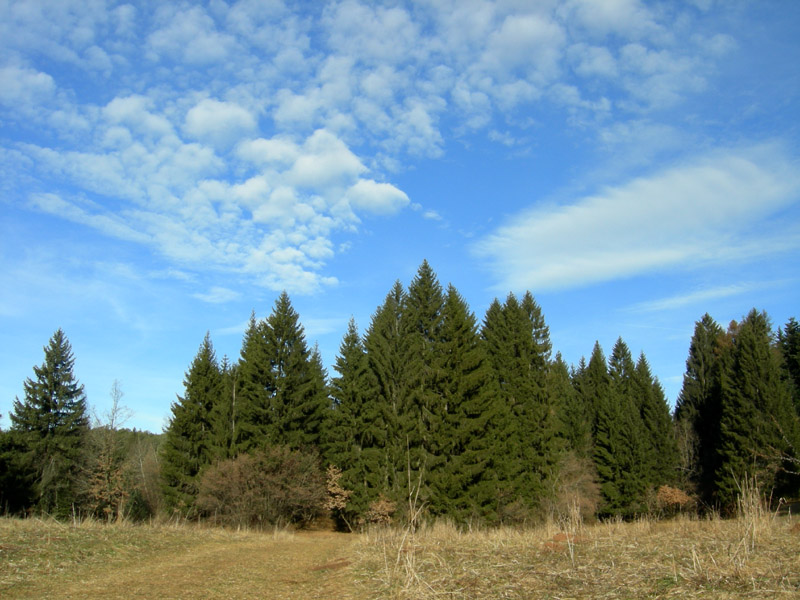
575	418
188	444
282	396
527	431
385	348
699	406
620	452
789	345
661	445
16	480
758	425
356	433
49	428
421	410
462	486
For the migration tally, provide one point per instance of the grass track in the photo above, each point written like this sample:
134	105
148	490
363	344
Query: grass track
50	560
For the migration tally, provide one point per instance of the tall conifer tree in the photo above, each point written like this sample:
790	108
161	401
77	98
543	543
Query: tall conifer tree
463	487
699	406
789	345
575	418
661	446
421	415
620	454
518	346
758	427
50	426
256	387
386	356
356	433
189	443
298	399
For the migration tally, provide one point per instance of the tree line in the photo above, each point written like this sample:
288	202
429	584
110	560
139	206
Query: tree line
473	421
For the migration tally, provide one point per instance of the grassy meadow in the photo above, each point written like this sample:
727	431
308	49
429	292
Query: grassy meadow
754	556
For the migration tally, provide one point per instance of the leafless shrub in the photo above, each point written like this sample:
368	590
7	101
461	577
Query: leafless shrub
577	492
337	498
275	486
380	511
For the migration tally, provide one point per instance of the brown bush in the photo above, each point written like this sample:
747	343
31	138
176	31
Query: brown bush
381	511
671	500
275	486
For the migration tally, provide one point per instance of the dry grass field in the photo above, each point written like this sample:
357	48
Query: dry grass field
756	556
680	558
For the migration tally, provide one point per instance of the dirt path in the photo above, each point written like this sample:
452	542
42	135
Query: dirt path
303	565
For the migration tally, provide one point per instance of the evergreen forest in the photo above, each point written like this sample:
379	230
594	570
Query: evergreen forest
430	412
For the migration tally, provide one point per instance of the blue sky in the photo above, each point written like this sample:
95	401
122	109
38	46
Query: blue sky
167	168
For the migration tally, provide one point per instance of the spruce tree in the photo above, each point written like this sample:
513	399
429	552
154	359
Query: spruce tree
527	431
16	481
50	425
255	389
421	411
699	407
575	419
463	487
385	345
620	454
189	438
225	413
661	446
758	426
789	345
283	391
356	431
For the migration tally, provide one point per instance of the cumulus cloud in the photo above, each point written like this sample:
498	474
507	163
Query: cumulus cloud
378	198
258	130
218	123
22	86
672	219
324	161
190	35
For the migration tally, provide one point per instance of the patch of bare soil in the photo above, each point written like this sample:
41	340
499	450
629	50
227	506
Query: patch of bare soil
305	565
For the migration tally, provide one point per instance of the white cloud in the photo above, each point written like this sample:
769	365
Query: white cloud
697	297
378	198
324	161
259	129
280	151
135	113
218	295
703	211
529	45
593	61
110	225
372	33
23	86
623	17
190	35
219	123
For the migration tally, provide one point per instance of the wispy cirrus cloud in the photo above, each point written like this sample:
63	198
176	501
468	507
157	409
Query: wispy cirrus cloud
218	295
699	296
710	209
